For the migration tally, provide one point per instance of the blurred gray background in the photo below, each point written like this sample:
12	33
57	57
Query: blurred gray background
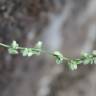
65	25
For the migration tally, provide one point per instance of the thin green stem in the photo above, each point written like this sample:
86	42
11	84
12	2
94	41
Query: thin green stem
86	58
65	58
4	45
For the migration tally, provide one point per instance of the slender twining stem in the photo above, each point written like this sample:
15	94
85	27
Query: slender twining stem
4	45
65	58
85	58
33	49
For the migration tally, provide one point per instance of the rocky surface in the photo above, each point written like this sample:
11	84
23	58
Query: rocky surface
66	25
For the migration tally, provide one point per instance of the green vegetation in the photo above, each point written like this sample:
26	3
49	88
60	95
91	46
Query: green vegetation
85	58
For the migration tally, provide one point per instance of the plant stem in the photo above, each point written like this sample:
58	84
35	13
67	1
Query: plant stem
65	58
43	51
1	44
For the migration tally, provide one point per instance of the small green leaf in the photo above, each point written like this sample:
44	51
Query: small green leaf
27	52
95	60
12	51
84	54
14	45
24	52
94	52
58	61
86	61
72	66
38	45
77	61
30	51
91	61
59	57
